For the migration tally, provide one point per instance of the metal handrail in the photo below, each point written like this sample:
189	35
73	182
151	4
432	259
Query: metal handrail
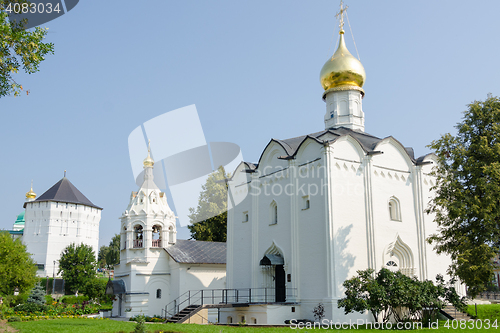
224	296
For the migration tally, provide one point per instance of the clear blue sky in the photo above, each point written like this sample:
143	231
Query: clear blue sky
252	69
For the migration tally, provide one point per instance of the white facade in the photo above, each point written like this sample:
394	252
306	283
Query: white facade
340	209
325	205
152	276
59	217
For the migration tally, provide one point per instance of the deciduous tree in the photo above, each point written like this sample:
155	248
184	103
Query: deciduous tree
110	255
78	266
209	219
467	200
17	269
19	48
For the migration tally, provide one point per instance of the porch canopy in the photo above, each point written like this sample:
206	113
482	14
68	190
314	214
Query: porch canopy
272	260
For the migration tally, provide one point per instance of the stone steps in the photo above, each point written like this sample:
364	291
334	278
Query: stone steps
183	314
455	314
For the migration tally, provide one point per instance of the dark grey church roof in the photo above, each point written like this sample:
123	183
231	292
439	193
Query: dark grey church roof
367	141
64	191
197	252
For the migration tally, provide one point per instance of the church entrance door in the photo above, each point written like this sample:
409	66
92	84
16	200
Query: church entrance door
279	280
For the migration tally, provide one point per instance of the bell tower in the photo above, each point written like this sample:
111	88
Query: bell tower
148	223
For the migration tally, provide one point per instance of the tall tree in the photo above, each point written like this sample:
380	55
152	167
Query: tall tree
467	200
110	255
78	266
209	219
17	269
19	48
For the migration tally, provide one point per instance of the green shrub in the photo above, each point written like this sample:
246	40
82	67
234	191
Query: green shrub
12	301
74	299
140	327
49	300
30	308
14	318
96	289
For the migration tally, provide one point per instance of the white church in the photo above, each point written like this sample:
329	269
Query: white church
157	269
318	207
314	210
60	216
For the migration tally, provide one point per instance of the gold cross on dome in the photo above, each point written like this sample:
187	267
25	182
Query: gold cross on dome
340	14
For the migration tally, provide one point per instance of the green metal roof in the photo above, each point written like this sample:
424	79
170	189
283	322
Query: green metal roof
20	219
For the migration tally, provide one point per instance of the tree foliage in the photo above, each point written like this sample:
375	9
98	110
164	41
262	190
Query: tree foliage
209	219
393	295
37	295
110	255
78	266
17	269
19	48
467	201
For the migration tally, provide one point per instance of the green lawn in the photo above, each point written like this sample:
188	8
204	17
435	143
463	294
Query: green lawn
111	326
485	311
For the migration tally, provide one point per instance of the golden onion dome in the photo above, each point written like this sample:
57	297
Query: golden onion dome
148	161
30	194
342	69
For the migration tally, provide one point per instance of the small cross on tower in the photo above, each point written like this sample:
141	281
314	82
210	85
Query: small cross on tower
340	15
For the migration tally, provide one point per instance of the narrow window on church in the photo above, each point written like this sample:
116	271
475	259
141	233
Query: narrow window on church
394	209
242	319
306	203
229	320
171	235
158	293
289	277
274	213
245	216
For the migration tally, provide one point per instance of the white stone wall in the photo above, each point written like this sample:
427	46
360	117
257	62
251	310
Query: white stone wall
346	227
51	226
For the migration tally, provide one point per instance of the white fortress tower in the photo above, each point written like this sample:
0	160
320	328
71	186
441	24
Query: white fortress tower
60	216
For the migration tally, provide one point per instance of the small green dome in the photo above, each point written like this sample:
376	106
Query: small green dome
20	219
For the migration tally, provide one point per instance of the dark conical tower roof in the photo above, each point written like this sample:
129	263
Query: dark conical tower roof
65	191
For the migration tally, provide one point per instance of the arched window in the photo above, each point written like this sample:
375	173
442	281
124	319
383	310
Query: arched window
158	293
156	236
138	236
171	235
274	212
229	320
394	209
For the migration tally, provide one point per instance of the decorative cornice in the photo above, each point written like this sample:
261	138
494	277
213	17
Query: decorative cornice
344	88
